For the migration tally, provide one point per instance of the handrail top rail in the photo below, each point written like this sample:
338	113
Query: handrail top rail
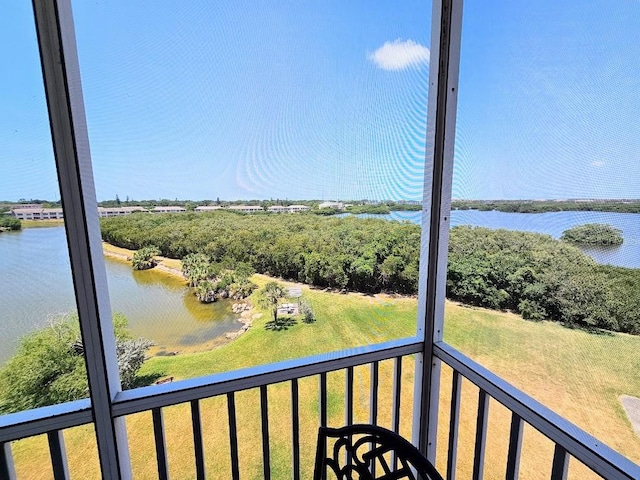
181	391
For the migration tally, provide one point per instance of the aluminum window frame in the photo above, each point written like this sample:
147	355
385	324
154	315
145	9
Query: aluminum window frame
108	403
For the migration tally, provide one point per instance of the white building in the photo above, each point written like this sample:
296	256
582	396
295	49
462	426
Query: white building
169	209
208	208
52	214
246	208
37	213
336	205
278	209
119	211
298	208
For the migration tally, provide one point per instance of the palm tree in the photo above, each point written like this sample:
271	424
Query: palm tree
269	297
144	258
205	291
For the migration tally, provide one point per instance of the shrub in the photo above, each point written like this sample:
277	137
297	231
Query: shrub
49	366
144	258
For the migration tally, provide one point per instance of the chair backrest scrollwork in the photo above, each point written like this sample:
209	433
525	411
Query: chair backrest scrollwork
369	452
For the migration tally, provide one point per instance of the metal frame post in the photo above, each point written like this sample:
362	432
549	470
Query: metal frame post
440	138
63	89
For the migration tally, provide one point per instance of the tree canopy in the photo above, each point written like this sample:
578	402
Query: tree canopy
540	278
531	274
367	255
49	366
593	234
7	222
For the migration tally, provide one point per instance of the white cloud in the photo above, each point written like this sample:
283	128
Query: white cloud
597	163
400	55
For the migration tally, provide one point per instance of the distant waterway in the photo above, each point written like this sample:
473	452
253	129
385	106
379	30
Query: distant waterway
552	223
37	287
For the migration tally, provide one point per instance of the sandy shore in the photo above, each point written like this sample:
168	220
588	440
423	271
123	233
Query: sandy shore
124	255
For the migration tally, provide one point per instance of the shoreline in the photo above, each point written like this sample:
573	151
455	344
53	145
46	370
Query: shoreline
242	309
124	255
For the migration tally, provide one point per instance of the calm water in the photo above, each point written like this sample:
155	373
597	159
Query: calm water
554	223
37	286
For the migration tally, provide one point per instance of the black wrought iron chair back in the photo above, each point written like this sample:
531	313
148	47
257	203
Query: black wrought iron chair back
368	452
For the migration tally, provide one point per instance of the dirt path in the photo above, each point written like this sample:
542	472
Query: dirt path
631	406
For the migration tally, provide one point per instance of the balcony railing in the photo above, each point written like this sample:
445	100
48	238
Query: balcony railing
270	390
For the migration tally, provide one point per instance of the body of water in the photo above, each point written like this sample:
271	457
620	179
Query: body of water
552	223
37	287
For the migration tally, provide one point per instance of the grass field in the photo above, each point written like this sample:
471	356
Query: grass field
577	374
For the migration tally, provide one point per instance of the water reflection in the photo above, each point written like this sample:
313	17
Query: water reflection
162	308
159	306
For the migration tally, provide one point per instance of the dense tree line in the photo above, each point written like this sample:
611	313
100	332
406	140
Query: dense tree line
544	206
531	274
541	278
366	255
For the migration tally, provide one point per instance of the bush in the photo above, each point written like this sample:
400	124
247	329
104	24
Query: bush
49	366
144	258
8	222
307	312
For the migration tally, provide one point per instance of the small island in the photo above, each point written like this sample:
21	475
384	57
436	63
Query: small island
593	234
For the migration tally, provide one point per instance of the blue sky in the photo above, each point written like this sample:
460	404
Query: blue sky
327	99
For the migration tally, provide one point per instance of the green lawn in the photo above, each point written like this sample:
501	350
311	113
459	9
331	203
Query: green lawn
577	374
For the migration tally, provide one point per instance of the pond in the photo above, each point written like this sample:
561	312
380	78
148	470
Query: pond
37	287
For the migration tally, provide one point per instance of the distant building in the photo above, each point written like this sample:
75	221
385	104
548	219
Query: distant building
169	209
52	214
278	209
297	208
336	205
119	211
36	212
29	213
208	208
246	208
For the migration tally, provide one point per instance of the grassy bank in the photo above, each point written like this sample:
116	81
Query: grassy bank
577	374
41	223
